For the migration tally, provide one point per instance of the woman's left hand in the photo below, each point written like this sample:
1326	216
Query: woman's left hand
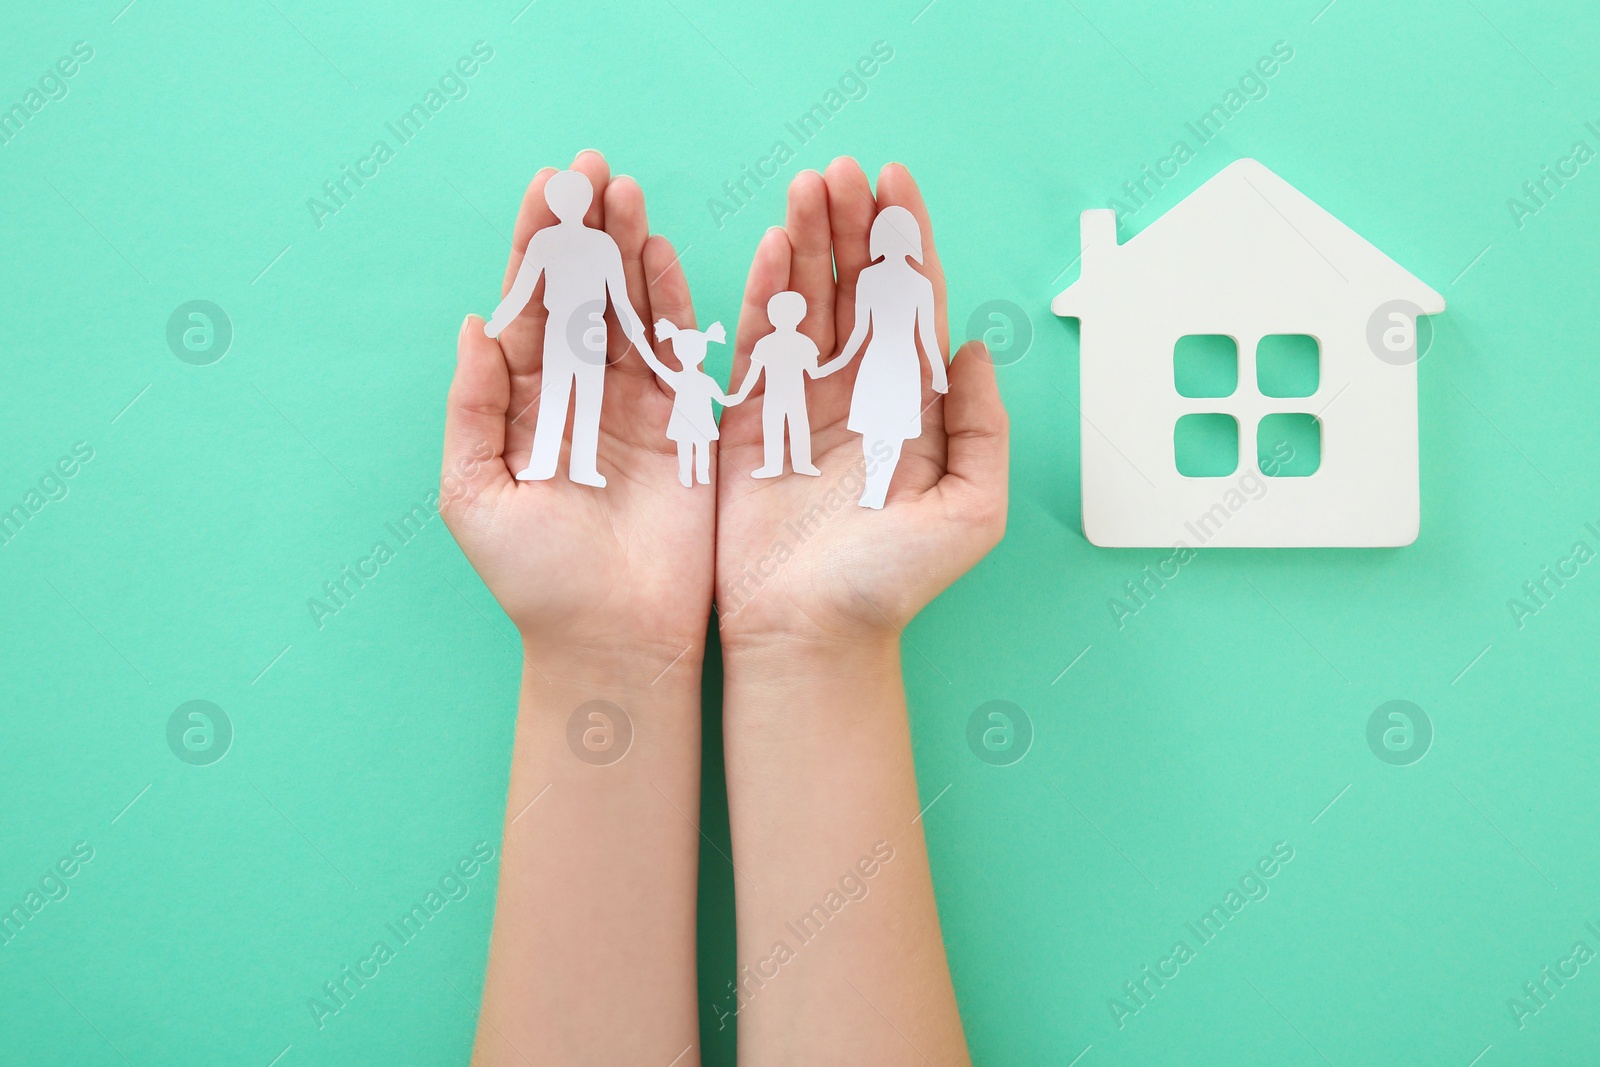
797	560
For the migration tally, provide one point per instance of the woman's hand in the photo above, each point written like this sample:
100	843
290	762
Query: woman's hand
611	589
797	559
582	572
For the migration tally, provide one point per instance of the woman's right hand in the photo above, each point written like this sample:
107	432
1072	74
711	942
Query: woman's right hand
797	559
584	573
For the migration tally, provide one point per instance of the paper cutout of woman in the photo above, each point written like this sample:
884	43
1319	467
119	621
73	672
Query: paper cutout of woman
895	301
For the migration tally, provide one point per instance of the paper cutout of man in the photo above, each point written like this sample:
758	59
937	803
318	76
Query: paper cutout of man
581	267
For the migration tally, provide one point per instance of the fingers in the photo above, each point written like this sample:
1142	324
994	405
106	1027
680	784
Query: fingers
593	165
770	273
851	208
627	225
896	186
811	255
667	291
522	340
475	416
978	439
533	216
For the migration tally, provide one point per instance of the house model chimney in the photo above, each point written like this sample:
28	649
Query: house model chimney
1097	229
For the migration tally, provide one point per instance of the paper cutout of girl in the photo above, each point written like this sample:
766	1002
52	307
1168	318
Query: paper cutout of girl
895	301
692	425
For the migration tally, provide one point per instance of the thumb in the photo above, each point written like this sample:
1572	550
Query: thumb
978	431
475	416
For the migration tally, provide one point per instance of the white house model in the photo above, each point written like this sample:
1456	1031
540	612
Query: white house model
1247	257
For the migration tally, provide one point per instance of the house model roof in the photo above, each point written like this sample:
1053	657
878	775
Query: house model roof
1244	232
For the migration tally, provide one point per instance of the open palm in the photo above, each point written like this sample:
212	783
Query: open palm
796	556
626	566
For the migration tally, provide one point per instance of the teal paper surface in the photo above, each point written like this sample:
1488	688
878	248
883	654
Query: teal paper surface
285	162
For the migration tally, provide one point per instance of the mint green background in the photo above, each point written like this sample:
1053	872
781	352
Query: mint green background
1223	718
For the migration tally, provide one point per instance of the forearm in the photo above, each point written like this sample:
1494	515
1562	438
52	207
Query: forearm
592	959
840	954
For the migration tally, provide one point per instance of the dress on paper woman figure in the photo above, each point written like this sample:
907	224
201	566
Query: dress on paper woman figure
895	300
692	425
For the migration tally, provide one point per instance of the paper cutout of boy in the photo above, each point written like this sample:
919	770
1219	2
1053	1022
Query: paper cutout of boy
581	266
788	357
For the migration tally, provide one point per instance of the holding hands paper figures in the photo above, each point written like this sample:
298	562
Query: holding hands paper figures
582	272
581	267
692	425
896	303
788	357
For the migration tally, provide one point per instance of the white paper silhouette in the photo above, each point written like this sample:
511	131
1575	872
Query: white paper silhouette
895	301
788	357
692	425
581	267
1248	256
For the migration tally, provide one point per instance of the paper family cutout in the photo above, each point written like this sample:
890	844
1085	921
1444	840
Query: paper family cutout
787	357
894	303
692	424
1248	256
581	267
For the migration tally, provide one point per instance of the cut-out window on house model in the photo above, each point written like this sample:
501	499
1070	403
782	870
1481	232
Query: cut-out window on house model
1206	444
1205	365
1288	365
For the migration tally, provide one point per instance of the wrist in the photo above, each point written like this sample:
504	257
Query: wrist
790	661
572	695
749	619
617	668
